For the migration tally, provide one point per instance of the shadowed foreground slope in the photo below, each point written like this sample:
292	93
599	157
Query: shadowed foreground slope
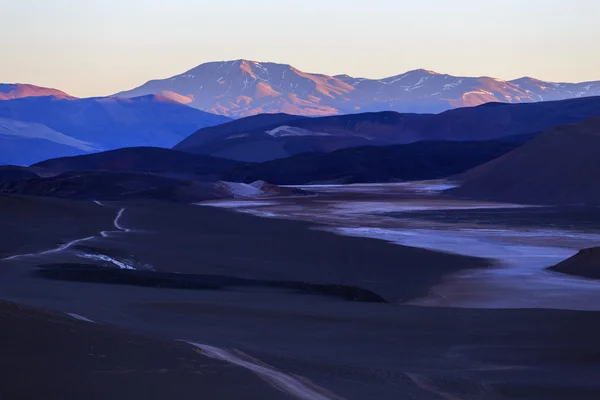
586	263
48	355
561	166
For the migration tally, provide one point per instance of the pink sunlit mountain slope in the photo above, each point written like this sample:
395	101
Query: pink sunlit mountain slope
10	91
242	88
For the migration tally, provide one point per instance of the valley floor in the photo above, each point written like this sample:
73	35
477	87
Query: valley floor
519	241
263	342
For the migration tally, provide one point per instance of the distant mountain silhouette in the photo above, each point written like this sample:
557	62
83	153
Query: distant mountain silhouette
10	91
242	87
560	166
24	143
33	129
269	137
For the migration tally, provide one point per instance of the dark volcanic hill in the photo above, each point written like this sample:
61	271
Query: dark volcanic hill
560	166
586	263
110	185
127	185
142	159
270	138
242	87
416	161
15	173
33	129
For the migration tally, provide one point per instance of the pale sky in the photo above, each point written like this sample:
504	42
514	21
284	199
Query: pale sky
99	47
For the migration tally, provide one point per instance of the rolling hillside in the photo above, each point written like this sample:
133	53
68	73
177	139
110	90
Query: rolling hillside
33	129
266	137
560	166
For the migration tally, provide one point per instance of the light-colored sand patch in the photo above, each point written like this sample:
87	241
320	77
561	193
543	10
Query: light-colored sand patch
237	203
300	388
80	318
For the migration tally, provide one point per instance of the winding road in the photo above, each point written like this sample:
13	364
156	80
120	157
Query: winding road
67	246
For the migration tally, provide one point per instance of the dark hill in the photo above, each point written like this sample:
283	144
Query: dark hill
560	166
14	173
109	185
143	159
416	161
283	136
586	263
255	122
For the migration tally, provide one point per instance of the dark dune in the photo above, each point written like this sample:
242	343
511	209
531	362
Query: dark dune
586	263
561	167
90	273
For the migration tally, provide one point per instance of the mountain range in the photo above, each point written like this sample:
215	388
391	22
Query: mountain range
515	163
242	88
324	123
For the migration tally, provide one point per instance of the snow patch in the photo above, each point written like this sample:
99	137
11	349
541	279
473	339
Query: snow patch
476	243
243	190
397	79
449	86
237	203
286	130
481	91
237	136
